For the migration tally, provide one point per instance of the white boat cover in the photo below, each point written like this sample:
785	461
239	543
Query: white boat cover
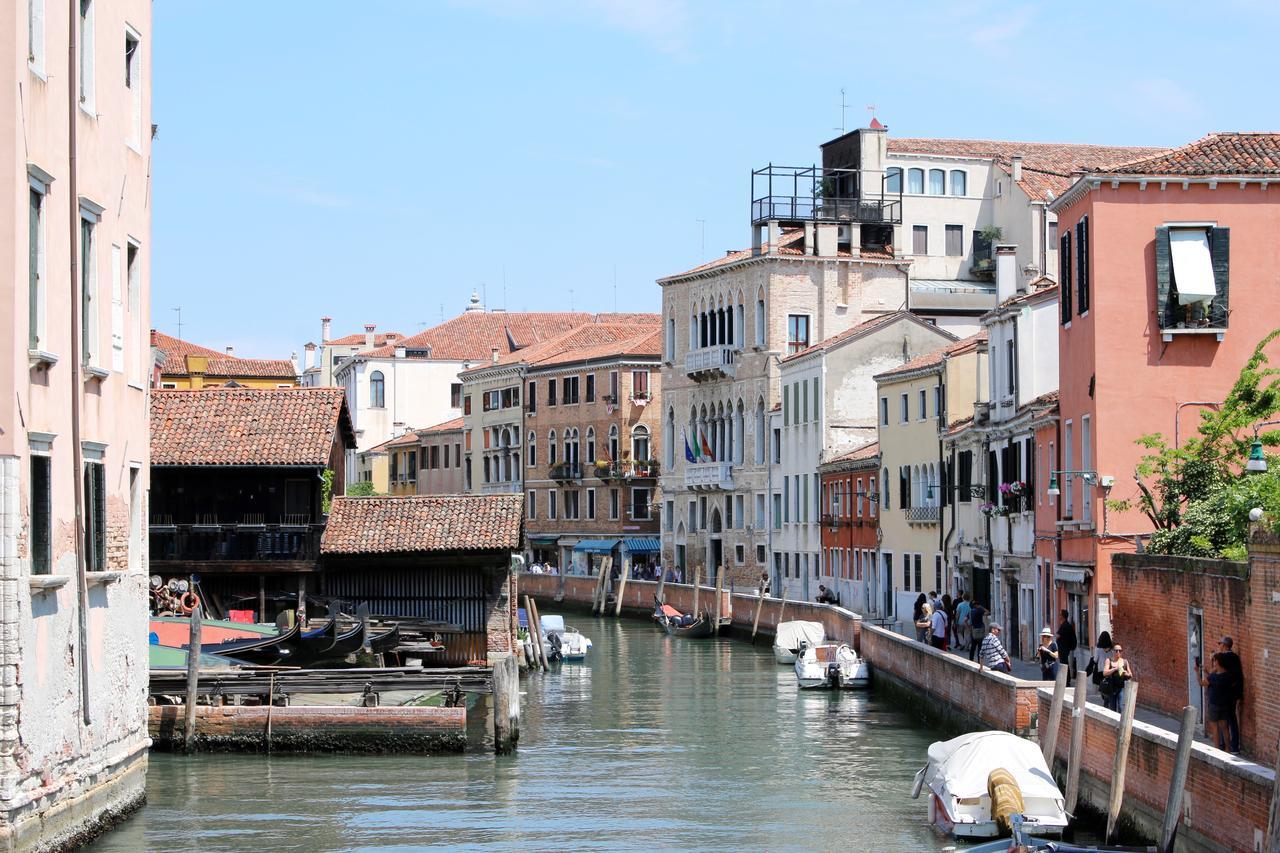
790	634
960	766
552	623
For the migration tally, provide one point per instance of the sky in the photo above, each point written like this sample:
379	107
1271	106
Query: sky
379	161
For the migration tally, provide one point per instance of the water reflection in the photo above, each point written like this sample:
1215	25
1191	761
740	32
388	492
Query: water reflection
656	742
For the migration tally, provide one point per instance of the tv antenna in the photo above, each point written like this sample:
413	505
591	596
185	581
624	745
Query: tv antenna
179	310
843	109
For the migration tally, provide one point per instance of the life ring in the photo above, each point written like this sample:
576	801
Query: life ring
189	602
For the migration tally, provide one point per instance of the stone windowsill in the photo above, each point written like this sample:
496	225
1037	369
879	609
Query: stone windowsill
1166	335
103	578
94	372
47	583
40	358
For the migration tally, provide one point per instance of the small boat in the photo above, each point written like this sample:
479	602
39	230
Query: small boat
830	665
386	641
679	624
318	640
562	642
274	649
974	778
790	635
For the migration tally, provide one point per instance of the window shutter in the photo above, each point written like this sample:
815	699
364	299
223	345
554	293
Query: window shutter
903	488
1220	253
41	514
1082	265
1064	275
1164	278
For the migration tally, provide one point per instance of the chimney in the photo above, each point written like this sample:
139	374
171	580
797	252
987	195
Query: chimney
231	351
1016	166
397	429
494	352
399	351
309	356
368	334
293	359
153	338
1006	271
324	329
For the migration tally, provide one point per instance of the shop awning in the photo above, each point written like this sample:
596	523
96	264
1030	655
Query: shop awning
643	545
596	546
1071	574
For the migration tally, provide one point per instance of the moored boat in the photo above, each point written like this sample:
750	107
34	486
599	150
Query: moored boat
679	624
831	665
278	648
790	635
562	642
974	778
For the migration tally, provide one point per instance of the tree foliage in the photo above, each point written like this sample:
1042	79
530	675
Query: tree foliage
361	489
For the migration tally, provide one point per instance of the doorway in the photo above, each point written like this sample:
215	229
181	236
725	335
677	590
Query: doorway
1195	651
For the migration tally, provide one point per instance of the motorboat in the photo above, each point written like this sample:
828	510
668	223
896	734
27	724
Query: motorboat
679	624
830	665
563	642
790	635
976	779
1020	842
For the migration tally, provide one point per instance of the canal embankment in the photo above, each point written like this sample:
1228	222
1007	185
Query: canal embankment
1226	800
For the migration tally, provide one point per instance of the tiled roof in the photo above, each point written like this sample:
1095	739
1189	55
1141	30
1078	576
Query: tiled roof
473	335
870	451
409	525
447	426
248	426
220	364
863	328
934	358
379	339
1047	285
790	244
1046	166
957	427
1223	154
568	349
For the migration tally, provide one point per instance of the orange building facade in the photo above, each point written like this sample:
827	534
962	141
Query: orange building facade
850	521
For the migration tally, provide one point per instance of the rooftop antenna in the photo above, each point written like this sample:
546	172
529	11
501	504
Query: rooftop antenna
843	108
702	251
484	295
871	108
179	310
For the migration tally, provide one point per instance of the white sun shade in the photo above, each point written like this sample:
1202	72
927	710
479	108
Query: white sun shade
1192	265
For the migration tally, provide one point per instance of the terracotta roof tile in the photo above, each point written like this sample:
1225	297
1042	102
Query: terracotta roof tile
931	359
473	335
408	525
379	339
862	454
220	364
447	426
567	349
1224	154
248	426
865	327
791	244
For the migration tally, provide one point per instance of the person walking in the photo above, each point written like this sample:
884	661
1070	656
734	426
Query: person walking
921	618
961	622
1067	643
992	655
1101	651
938	625
1049	655
1220	685
948	608
1231	665
977	627
1116	670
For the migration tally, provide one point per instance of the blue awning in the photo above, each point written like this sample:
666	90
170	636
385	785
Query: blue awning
596	546
643	546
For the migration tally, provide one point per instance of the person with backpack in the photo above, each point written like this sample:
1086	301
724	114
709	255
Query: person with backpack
977	627
961	621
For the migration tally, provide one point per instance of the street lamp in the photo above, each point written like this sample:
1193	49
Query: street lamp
1090	478
1257	459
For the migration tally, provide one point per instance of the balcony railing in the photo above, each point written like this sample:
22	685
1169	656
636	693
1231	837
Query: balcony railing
565	472
235	542
923	514
709	475
711	362
829	520
814	194
626	471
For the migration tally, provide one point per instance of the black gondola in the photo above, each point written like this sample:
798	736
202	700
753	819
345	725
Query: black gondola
277	648
679	624
386	641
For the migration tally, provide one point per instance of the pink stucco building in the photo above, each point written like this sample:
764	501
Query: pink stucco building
1169	270
73	415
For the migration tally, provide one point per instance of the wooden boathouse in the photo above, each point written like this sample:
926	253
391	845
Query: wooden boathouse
438	558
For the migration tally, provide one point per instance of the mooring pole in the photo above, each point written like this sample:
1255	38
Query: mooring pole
193	678
535	635
1077	744
697	589
719	596
782	608
755	623
1121	764
622	586
1173	807
506	705
1050	742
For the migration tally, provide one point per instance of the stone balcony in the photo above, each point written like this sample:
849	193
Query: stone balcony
503	488
709	476
711	362
923	514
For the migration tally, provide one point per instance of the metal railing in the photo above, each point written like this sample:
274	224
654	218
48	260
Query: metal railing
815	194
786	208
708	475
924	514
566	471
627	471
227	542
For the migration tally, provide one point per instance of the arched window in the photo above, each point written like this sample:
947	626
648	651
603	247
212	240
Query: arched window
531	452
613	443
915	181
693	330
762	433
893	179
669	439
884	489
640	443
760	318
671	339
570	446
959	182
377	390
486	470
591	445
739	428
551	447
937	182
740	327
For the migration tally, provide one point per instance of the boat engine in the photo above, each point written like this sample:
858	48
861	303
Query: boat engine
833	675
553	640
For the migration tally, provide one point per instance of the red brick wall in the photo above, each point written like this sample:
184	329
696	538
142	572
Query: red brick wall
1228	799
1259	650
1153	597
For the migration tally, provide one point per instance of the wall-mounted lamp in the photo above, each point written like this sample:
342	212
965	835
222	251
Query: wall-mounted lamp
1090	478
1257	458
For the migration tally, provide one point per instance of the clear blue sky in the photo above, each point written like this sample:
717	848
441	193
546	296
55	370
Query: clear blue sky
377	161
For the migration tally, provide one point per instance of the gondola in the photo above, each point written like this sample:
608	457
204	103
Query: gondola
277	648
679	624
342	645
315	643
386	641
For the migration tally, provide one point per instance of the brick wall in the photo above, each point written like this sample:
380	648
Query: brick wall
1226	799
1262	638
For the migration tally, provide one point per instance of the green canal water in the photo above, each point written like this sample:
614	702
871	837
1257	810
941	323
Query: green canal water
655	743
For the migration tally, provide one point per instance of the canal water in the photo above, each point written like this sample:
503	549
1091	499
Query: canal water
654	743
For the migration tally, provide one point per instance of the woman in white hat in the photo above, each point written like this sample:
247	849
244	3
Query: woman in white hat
1048	653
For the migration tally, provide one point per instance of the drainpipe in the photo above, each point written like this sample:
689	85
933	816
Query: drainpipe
77	378
951	526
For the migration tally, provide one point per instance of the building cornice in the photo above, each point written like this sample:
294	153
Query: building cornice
1092	181
771	256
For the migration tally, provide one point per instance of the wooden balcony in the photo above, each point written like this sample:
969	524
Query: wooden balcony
244	547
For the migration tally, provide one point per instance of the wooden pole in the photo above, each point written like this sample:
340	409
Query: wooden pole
535	634
302	601
755	623
193	678
622	586
262	598
1173	807
271	703
1077	744
1050	742
662	581
1273	821
719	596
1121	764
697	589
501	708
782	609
538	650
